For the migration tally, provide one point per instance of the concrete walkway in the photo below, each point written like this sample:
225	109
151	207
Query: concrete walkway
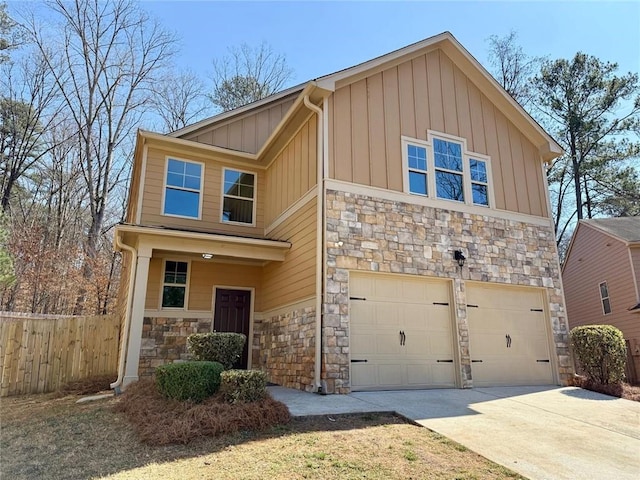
540	432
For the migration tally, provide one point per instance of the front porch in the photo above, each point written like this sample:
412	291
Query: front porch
182	283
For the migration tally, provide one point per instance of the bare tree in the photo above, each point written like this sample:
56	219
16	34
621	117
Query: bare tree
248	74
10	34
28	109
512	68
179	100
104	58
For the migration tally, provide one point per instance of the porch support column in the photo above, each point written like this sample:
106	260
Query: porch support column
137	317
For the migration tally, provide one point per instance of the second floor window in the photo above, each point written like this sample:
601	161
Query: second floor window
183	188
442	169
238	196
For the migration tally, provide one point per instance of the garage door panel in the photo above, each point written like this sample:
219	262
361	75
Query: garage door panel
508	336
391	374
386	305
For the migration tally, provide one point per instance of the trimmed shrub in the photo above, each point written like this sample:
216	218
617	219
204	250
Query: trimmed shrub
193	381
221	347
243	386
600	352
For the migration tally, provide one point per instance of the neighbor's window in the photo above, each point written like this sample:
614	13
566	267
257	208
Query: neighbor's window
183	188
604	296
238	196
443	169
174	286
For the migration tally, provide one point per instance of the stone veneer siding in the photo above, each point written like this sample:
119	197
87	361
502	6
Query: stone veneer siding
164	340
380	235
284	347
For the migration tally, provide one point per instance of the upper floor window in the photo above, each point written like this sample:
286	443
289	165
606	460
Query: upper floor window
238	193
443	169
183	188
604	297
174	287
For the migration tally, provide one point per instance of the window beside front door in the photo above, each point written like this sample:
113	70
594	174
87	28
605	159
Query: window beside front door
604	298
174	286
441	168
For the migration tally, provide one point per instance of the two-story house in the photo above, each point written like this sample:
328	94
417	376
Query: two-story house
383	227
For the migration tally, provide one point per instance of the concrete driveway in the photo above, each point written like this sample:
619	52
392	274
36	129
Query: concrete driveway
539	432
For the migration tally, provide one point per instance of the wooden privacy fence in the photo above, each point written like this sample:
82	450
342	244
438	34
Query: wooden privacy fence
42	353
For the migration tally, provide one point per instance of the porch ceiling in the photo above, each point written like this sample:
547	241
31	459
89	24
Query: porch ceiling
148	239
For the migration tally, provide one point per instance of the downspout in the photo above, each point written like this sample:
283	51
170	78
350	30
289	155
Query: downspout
319	241
127	314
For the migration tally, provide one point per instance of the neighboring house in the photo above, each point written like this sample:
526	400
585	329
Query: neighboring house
327	222
601	274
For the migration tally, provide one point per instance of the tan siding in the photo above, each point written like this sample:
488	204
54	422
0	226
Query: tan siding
463	105
594	258
294	279
377	143
342	134
205	275
519	173
448	96
478	133
211	200
246	132
392	129
360	133
420	89
292	173
202	278
428	92
406	99
154	284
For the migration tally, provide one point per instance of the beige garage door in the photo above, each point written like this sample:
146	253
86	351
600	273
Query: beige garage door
508	339
400	333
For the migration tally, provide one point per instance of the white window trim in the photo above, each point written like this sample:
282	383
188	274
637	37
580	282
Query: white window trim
164	188
254	200
431	170
602	299
186	287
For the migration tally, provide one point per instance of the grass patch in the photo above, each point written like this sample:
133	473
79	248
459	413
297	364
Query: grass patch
50	438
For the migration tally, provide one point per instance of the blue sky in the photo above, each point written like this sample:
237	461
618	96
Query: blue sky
320	37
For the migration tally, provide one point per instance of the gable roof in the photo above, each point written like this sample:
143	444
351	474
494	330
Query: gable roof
626	229
547	146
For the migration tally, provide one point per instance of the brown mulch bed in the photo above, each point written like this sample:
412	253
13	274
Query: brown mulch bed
161	421
88	386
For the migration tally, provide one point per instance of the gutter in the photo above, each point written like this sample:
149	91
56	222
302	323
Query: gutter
319	241
117	385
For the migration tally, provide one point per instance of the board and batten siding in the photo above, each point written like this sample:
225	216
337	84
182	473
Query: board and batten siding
203	276
248	132
596	257
211	200
429	92
293	280
292	173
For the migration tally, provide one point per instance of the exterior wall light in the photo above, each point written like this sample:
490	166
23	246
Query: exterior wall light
459	257
207	256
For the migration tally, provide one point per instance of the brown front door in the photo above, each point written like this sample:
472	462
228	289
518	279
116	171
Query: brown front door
233	311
